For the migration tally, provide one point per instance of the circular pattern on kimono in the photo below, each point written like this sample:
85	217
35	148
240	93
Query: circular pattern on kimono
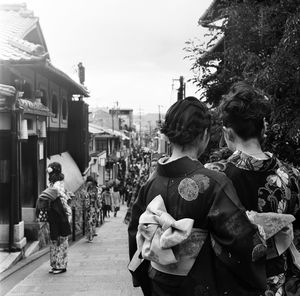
201	181
269	293
188	189
258	252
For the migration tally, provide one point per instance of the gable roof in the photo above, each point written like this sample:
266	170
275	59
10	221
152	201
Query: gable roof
17	23
96	129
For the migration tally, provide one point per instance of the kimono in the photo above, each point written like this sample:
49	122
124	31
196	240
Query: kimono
221	253
50	202
91	204
64	197
59	231
266	186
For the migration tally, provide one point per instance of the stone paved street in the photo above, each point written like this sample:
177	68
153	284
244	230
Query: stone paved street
98	268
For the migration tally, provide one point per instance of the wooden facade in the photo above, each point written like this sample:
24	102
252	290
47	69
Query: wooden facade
36	119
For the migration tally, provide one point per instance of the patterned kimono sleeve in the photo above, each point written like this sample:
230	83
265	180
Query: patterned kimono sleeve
138	209
231	228
140	276
235	240
295	193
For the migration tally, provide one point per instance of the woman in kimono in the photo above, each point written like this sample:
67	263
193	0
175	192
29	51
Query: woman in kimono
91	204
53	202
188	224
116	199
263	182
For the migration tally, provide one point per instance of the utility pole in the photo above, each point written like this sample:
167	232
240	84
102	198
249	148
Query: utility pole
117	113
150	129
112	119
159	116
181	89
140	110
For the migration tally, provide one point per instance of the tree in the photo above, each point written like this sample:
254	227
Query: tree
260	44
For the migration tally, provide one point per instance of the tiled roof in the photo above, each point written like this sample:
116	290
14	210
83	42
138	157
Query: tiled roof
35	107
96	129
15	23
7	90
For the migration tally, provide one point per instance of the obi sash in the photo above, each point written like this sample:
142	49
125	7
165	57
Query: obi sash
279	227
171	246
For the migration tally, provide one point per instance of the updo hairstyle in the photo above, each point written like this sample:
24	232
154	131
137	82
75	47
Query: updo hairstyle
244	109
90	183
54	171
185	120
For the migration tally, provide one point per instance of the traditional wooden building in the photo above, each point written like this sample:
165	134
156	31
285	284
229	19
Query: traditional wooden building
106	150
40	122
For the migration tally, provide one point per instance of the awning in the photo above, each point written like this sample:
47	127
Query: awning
73	177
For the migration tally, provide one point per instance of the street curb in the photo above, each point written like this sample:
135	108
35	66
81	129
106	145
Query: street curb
23	262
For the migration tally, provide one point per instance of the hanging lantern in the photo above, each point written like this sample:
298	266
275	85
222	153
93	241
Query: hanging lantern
43	131
24	130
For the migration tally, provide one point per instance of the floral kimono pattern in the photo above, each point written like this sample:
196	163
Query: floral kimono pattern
58	253
267	185
91	213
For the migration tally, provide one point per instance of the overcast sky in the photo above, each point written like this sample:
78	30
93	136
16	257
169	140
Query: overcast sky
131	49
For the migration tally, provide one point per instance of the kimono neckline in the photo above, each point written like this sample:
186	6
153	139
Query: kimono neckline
247	162
179	167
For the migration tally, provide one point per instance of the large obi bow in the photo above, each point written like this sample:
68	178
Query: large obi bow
158	232
280	228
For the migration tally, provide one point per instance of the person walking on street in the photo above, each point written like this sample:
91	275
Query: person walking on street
52	206
116	200
188	224
263	183
91	203
106	197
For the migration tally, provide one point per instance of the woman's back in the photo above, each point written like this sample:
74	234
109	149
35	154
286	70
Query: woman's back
263	183
191	191
264	186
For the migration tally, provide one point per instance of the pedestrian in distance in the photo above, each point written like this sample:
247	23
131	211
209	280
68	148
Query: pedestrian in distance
116	199
106	197
188	224
91	204
52	207
263	183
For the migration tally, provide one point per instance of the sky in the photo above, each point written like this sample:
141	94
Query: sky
131	49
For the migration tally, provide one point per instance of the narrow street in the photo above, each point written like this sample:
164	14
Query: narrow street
98	268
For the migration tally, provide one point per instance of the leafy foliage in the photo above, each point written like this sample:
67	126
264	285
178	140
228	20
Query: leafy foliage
261	45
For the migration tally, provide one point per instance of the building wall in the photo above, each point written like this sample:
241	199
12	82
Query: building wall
78	137
5	156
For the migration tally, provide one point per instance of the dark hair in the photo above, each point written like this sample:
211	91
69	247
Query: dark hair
90	183
89	179
243	109
56	174
185	120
